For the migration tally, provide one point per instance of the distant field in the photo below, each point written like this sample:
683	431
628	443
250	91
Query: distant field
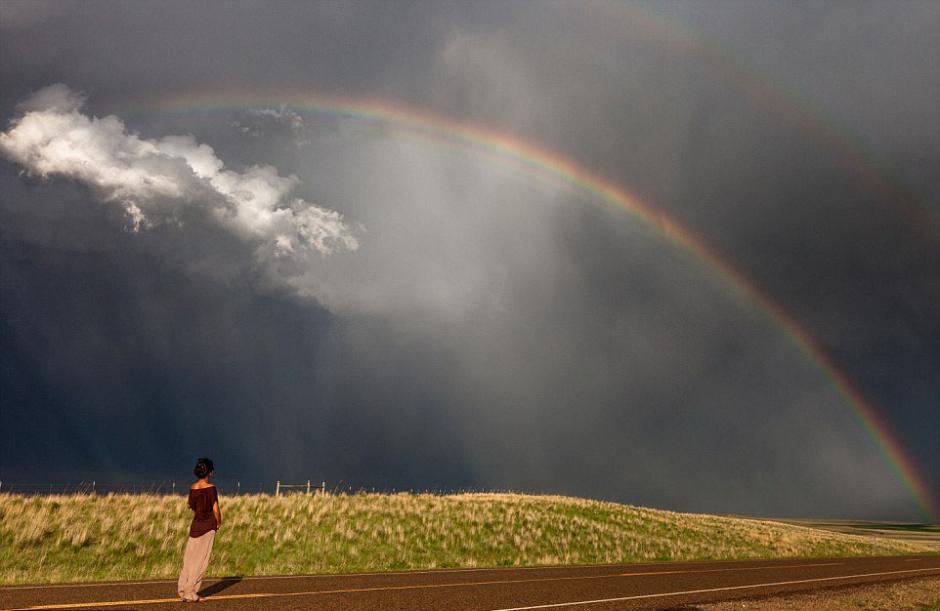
118	537
927	535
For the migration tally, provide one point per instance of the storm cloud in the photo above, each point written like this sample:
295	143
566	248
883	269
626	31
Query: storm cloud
446	318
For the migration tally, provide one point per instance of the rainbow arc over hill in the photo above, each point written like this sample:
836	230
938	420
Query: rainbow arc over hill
544	163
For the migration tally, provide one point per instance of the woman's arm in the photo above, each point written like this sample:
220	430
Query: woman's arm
217	513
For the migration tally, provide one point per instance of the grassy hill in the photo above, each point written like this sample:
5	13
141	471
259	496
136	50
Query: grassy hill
83	537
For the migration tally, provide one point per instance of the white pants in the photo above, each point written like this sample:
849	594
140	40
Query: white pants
195	561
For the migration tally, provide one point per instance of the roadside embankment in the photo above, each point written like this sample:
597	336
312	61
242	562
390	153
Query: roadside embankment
126	537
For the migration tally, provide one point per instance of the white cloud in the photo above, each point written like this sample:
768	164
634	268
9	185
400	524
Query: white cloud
257	122
281	115
151	178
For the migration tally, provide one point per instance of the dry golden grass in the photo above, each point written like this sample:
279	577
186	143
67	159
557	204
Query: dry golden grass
927	535
81	537
906	595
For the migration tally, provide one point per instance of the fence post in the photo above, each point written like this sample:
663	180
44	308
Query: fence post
93	486
322	488
308	486
238	489
277	488
174	487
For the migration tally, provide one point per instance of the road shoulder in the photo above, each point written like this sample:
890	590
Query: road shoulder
904	595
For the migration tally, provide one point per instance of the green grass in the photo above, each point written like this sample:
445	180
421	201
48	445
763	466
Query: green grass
71	538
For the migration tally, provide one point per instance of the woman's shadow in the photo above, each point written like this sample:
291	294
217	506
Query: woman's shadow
222	584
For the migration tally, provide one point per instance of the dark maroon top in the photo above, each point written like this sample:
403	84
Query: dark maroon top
201	501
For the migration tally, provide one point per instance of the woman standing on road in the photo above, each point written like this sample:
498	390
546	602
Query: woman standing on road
204	501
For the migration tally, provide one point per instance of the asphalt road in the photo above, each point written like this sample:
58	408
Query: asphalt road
660	585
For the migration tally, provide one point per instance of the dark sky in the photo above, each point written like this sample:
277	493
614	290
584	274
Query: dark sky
303	295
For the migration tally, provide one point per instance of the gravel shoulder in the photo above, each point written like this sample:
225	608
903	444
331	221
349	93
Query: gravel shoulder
906	595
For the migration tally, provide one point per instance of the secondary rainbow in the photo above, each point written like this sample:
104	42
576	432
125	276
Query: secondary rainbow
548	163
785	102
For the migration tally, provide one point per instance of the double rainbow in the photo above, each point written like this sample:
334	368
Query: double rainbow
547	163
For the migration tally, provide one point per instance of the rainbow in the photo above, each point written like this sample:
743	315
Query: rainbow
547	163
846	147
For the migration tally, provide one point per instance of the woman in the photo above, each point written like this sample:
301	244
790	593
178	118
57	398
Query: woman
204	501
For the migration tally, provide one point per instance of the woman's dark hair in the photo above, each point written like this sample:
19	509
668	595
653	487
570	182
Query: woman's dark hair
203	468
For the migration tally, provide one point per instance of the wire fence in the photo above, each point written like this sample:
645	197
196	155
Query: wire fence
226	487
96	487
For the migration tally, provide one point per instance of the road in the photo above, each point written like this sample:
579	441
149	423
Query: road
568	588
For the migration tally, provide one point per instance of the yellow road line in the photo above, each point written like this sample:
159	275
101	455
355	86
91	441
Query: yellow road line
150	601
142	601
758	568
547	567
493	569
